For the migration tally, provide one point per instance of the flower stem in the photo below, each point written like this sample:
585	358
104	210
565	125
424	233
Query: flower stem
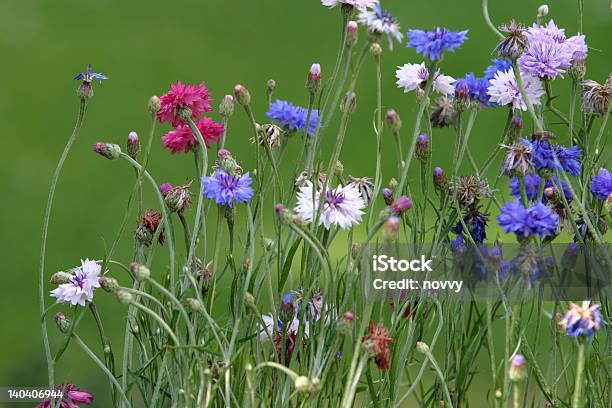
43	245
577	399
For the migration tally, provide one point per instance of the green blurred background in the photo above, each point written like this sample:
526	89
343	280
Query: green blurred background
143	46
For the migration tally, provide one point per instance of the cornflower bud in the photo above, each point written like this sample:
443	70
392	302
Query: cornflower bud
313	82
345	325
391	229
401	205
60	277
351	34
109	285
242	95
226	107
109	150
287	308
62	322
153	105
394	123
140	272
462	96
516	127
518	369
375	49
133	145
422	147
387	195
124	297
194	304
349	102
440	180
422	347
270	85
543	10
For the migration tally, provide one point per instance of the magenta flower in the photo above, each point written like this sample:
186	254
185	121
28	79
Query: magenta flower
183	96
71	398
182	139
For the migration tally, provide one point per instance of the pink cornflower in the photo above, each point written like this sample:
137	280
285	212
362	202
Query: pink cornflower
182	139
181	96
71	398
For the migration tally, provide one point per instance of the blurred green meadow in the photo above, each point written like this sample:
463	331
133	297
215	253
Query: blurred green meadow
143	46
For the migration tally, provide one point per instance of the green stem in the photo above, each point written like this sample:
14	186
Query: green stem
43	245
577	398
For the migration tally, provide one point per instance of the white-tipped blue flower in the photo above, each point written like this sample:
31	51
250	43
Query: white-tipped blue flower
381	22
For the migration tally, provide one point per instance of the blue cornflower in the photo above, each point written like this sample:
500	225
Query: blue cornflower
477	88
567	159
499	64
601	184
476	222
228	188
532	186
89	76
433	43
293	117
537	219
458	246
584	320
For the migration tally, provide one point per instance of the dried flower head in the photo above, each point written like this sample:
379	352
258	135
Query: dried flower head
596	97
365	187
512	45
518	159
469	190
178	199
444	113
147	226
269	132
376	343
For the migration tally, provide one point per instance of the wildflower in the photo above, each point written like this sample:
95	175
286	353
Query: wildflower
365	187
537	219
503	90
518	159
532	186
178	199
182	139
548	157
182	99
341	207
433	43
476	222
387	194
516	126
423	150
518	370
243	96
596	97
512	45
544	58
133	145
458	246
376	343
440	180
287	308
270	133
293	117
109	150
381	22
499	64
62	322
225	161
360	5
351	34
401	205
226	107
71	397
394	122
313	81
345	325
227	188
584	320
414	76
444	114
153	105
81	285
469	190
601	184
476	87
147	227
85	91
348	103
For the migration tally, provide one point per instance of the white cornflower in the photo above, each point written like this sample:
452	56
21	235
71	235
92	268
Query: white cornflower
503	90
80	286
341	207
413	76
380	21
360	5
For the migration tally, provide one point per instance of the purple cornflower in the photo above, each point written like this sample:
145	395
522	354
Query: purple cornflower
227	188
537	219
584	320
433	43
532	186
601	184
544	58
477	88
548	156
458	246
293	117
499	64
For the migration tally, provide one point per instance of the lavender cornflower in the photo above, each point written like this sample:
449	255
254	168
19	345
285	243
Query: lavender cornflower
582	320
228	188
293	117
80	286
601	184
503	90
477	88
414	76
532	187
381	22
534	220
433	43
499	64
342	206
